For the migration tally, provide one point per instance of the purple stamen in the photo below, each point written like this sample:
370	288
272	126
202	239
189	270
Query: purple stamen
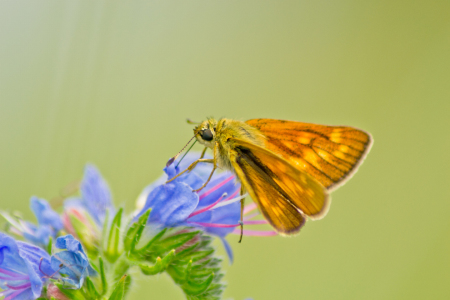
214	225
15	278
205	208
13	295
19	287
255	222
251	216
13	274
42	271
255	232
217	186
249	208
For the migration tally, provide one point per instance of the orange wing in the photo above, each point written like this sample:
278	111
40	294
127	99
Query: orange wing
282	192
331	154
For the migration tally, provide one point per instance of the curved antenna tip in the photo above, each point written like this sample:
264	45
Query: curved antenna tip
189	121
170	161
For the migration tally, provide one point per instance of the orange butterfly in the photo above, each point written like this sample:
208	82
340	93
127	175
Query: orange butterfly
288	168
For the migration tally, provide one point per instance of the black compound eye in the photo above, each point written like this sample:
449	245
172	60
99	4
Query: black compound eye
207	135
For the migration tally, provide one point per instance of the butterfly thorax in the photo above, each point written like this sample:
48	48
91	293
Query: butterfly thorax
224	130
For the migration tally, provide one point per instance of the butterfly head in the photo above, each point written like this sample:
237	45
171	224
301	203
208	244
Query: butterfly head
205	133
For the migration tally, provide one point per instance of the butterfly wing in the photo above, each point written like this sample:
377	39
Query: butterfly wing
283	193
330	154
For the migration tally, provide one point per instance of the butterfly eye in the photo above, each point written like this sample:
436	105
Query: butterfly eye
207	135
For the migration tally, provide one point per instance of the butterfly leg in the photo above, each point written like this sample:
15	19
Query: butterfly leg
212	172
192	166
241	222
203	152
207	181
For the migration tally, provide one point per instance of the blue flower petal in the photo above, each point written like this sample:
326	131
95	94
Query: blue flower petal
171	204
72	261
18	259
95	193
229	214
40	235
203	217
45	214
228	249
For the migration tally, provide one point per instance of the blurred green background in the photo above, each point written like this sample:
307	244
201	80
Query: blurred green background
112	83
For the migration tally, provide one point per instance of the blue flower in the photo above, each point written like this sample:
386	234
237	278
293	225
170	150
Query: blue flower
49	223
215	208
72	261
45	215
95	194
23	269
84	216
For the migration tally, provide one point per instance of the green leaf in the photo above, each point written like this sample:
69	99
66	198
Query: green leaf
198	255
134	234
49	245
71	293
103	276
119	289
104	232
120	268
185	252
177	273
145	250
127	285
159	266
112	248
196	270
174	241
197	287
91	291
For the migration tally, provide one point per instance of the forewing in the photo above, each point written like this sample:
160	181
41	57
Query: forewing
331	154
291	184
284	217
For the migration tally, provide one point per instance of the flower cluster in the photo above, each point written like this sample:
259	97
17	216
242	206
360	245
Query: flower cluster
86	252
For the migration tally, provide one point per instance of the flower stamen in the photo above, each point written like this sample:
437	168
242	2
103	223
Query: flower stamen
46	275
255	222
207	207
249	208
19	287
216	187
214	225
228	202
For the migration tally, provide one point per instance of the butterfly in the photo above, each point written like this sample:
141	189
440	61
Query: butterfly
288	168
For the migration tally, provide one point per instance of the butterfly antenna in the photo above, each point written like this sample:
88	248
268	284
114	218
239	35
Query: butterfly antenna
186	153
189	121
170	161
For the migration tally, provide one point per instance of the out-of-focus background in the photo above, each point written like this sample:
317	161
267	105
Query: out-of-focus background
112	83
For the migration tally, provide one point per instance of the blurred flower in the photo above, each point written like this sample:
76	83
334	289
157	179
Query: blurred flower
95	195
49	223
84	216
45	215
72	261
23	269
